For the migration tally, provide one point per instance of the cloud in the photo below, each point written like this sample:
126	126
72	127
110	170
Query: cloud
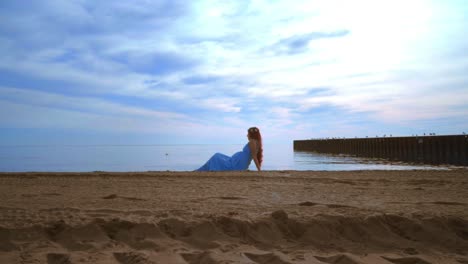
200	79
220	104
83	104
299	43
156	63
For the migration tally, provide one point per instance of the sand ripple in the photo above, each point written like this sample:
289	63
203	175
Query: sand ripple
223	239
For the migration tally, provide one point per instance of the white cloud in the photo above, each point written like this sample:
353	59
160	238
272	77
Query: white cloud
222	104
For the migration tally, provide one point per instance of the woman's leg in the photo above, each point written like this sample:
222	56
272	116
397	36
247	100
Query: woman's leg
218	162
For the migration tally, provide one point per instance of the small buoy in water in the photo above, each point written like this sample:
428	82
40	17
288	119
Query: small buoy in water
167	154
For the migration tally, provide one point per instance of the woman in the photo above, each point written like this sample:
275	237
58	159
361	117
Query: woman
240	160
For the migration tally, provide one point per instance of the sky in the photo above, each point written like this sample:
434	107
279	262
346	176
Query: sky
203	71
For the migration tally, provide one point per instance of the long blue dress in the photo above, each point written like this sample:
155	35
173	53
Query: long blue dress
220	162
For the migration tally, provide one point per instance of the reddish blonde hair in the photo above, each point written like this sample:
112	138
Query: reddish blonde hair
254	133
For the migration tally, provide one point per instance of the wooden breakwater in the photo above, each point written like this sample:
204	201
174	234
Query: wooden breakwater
452	149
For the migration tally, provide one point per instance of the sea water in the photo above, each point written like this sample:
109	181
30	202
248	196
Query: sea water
82	158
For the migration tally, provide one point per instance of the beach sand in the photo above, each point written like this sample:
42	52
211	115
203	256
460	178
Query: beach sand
278	217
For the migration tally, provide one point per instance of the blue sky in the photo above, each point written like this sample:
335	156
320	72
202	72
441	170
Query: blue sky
155	72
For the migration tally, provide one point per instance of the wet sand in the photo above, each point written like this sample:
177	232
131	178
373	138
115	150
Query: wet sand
235	217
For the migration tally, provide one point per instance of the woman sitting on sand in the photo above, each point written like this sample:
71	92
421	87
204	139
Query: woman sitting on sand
240	160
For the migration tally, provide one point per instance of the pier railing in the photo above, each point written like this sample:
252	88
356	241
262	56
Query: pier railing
451	149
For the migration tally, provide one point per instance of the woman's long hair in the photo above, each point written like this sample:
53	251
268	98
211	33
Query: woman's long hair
254	133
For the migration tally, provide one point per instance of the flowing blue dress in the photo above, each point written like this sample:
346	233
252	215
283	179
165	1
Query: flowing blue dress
220	162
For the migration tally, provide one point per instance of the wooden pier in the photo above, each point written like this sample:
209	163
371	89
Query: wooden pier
451	149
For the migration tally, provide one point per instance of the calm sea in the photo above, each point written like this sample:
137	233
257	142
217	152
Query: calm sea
81	158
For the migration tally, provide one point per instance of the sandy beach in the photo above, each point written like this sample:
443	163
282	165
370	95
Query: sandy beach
401	217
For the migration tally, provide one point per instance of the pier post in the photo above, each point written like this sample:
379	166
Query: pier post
464	151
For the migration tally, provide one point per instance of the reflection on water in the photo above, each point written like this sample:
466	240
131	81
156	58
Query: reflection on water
318	161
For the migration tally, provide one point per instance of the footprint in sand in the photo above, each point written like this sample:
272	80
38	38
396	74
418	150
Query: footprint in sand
114	196
338	259
50	194
410	251
408	260
133	198
448	203
132	258
266	258
200	257
326	205
56	258
308	204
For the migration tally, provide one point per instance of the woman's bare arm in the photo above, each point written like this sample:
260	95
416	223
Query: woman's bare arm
253	151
